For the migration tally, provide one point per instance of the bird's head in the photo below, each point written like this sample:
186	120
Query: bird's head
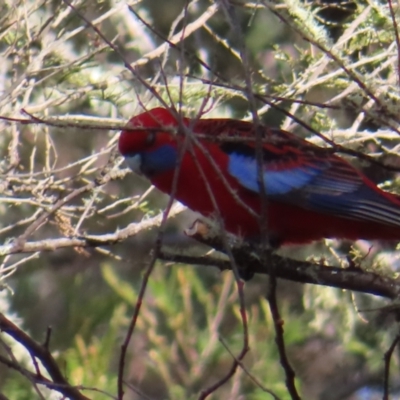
151	148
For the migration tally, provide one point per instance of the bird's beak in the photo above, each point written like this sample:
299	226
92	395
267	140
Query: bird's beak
134	163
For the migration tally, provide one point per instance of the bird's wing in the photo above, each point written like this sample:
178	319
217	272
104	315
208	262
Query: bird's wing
329	185
285	173
299	173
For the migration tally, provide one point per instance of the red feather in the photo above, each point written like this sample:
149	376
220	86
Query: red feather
205	185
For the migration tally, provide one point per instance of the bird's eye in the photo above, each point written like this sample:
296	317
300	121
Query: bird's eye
151	138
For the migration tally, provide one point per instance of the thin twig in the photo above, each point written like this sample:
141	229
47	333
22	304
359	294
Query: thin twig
45	357
387	357
397	38
247	372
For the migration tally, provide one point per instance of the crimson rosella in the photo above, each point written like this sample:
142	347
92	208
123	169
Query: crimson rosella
210	165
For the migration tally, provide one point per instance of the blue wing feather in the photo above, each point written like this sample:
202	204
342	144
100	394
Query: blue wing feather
325	185
315	180
277	182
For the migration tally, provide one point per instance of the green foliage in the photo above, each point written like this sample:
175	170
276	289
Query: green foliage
184	316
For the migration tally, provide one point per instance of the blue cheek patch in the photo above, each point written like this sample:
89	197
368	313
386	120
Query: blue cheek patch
244	169
162	159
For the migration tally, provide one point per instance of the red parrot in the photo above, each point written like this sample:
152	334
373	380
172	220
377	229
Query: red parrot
311	193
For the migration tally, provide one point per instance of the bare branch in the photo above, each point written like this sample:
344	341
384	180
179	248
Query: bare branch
45	357
387	358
